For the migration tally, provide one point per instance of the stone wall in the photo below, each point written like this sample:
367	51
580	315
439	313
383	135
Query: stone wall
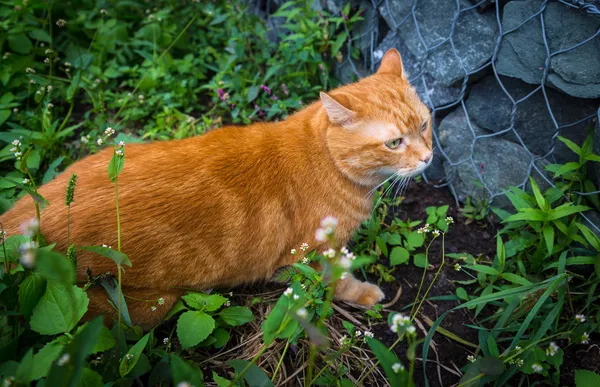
503	78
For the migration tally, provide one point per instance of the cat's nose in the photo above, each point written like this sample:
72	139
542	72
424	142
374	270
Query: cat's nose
427	157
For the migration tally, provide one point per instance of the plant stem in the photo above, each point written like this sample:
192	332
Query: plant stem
411	315
118	214
120	292
287	344
435	276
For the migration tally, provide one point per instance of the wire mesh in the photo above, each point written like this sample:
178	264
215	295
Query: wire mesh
450	57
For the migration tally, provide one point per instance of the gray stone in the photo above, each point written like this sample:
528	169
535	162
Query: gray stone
473	36
365	32
523	52
348	72
430	90
490	108
496	163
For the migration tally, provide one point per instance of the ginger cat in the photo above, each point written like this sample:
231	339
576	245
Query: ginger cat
226	208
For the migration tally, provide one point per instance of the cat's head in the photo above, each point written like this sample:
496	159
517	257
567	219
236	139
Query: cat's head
378	127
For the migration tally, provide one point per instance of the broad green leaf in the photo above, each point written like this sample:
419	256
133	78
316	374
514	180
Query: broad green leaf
76	352
252	93
24	371
183	372
548	232
488	290
204	302
398	256
579	260
395	240
568	167
589	236
221	381
382	245
115	166
420	260
275	318
335	47
585	378
415	239
60	309
12	246
31	290
72	89
255	376
118	257
221	337
54	266
19	43
40	34
236	315
90	378
462	294
527	214
42	361
193	327
133	355
105	339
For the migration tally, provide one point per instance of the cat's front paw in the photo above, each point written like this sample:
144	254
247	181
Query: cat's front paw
369	295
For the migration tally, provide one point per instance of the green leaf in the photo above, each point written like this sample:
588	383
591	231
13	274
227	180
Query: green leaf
566	210
527	214
483	269
548	232
118	257
90	378
31	291
574	147
221	337
387	359
539	198
72	89
51	171
60	309
568	167
220	381
12	245
24	371
335	47
204	302
42	361
183	371
585	378
105	339
54	266
252	93
133	355
275	319
500	251
39	34
395	239
515	279
115	166
415	239
236	315
420	260
193	327
462	294
399	256
382	245
255	376
19	43
70	373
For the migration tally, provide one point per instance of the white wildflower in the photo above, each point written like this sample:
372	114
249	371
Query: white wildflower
288	292
329	223
99	141
85	139
296	297
345	263
129	356
304	246
228	303
580	318
344	250
119	152
517	348
153	308
103	11
121	143
47	60
449	220
161	301
50	105
305	260
350	256
330	253
302	313
64	359
436	233
30	70
26	182
293	251
184	384
31	227
411	330
357	333
552	349
61	23
471	359
67	64
321	235
166	341
585	338
457	267
109	131
397	367
16	142
536	367
369	334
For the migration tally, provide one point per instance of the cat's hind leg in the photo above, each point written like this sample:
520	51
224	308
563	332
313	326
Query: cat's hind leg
147	307
352	290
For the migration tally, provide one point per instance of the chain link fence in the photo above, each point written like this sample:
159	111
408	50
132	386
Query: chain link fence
503	79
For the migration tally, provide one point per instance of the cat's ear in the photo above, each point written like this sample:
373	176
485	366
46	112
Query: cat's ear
391	63
338	113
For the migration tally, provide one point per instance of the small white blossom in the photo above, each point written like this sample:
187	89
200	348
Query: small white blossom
18	155
536	367
166	341
436	233
161	301
121	143
357	333
15	110
517	348
13	149
330	253
98	80
28	257
30	70
228	303
344	340
320	235
424	230
119	152
345	275
344	250
103	11
109	131
369	334
296	297
140	96
305	260
304	246
293	251
397	367
329	223
350	256
377	54
99	141
64	359
585	338
345	263
184	384
580	318
288	292
471	358
85	139
67	64
16	142
61	23
153	308
50	106
31	227
552	349
457	267
47	60
449	220
302	313
26	182
519	362
411	330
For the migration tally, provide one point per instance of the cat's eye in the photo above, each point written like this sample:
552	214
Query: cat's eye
393	144
424	126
